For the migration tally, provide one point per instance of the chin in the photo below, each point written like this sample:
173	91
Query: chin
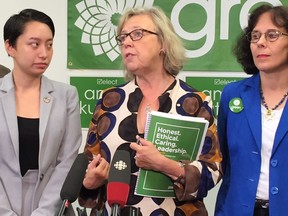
132	70
263	67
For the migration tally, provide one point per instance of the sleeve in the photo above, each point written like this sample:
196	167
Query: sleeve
5	208
203	174
221	129
93	198
50	201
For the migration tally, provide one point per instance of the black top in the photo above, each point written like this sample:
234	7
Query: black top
28	143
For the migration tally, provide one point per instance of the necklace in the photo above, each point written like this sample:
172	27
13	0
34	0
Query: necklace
148	106
269	111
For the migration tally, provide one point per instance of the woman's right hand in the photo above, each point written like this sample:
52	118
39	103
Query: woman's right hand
96	173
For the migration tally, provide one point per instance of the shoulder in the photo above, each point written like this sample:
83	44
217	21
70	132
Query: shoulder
124	88
185	85
63	91
241	85
53	85
239	89
189	90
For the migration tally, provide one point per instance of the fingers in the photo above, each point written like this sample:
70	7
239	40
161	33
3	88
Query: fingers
98	166
95	161
138	138
142	141
103	165
136	146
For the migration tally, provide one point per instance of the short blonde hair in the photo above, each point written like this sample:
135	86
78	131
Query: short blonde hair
174	51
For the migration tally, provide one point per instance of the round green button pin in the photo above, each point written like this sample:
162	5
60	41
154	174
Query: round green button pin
236	105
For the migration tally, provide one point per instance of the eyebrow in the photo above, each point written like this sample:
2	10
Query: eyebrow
133	28
38	39
272	29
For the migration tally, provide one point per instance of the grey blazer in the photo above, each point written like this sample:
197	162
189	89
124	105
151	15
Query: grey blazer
60	139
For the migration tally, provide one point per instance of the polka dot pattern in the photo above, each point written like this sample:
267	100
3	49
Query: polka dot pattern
114	126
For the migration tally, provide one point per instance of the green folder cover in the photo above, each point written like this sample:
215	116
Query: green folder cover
178	138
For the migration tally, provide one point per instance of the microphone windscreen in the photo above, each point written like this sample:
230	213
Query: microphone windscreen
73	182
119	178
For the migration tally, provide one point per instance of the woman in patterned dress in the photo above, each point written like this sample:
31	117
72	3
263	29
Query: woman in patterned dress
152	56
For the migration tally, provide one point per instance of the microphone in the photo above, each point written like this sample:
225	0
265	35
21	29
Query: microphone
73	182
119	181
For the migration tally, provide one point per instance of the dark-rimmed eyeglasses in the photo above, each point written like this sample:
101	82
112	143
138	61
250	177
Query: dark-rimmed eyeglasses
135	35
271	35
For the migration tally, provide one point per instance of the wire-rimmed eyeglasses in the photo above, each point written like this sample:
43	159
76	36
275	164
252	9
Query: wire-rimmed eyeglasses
135	35
271	35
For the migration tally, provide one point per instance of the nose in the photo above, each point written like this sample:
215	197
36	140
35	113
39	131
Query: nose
127	41
43	51
262	40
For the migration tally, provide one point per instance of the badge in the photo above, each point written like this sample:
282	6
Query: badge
236	105
46	99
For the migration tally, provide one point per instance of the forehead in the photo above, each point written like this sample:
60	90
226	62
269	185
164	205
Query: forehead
37	29
136	21
265	22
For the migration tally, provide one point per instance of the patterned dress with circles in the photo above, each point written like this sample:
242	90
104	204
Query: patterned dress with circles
114	126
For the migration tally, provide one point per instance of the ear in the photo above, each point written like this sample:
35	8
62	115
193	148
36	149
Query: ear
9	49
162	52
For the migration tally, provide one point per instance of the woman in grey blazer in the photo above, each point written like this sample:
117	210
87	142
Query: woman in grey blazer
40	130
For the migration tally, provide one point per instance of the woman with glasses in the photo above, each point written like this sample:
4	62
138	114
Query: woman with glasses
253	121
152	57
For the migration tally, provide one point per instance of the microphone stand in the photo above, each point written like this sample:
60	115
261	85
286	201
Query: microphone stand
134	212
65	204
115	210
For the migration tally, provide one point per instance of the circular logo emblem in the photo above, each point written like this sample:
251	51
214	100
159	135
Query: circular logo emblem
236	105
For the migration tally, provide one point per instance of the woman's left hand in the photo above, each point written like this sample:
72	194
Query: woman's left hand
147	156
